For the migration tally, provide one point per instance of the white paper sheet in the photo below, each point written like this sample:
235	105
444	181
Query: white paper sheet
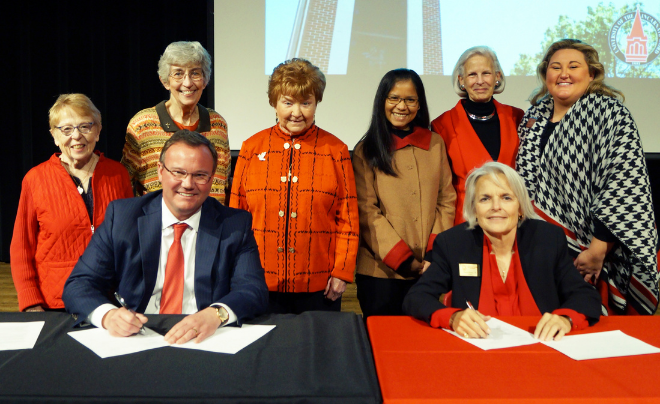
19	335
230	339
608	344
502	335
104	345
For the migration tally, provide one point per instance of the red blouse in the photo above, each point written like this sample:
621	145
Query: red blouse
505	298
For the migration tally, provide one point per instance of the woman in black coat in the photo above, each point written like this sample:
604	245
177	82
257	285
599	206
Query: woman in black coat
502	261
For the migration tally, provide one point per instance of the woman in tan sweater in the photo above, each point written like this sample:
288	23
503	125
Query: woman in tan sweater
405	194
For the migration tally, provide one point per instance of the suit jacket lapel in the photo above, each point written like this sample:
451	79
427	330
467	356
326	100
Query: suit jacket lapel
473	284
532	268
149	231
206	250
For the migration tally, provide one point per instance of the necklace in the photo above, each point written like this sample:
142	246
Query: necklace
480	118
80	185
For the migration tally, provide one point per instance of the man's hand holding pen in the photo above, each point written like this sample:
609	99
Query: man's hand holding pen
123	322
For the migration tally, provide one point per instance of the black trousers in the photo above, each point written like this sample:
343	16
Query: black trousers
296	303
381	297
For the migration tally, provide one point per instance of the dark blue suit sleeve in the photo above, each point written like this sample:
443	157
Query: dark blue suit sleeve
423	297
248	296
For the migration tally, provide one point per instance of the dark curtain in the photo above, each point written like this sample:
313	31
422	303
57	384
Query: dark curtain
108	50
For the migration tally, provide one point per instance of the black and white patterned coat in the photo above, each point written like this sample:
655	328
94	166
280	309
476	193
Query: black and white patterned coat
593	166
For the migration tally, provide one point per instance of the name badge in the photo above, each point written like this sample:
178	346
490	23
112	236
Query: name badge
530	122
468	269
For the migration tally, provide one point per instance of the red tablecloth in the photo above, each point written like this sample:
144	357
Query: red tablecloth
419	364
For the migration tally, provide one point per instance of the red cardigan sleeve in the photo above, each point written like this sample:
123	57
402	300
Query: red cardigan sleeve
23	249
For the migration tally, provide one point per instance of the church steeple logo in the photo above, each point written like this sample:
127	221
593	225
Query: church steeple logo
636	50
630	38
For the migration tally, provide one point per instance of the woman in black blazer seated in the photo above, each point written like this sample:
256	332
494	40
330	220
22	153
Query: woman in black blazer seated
504	262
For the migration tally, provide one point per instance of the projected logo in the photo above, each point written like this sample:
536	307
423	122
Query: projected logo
635	38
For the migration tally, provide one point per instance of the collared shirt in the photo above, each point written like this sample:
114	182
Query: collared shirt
188	242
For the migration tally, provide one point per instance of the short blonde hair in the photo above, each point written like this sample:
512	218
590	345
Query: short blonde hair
296	78
459	68
185	54
77	102
597	85
516	183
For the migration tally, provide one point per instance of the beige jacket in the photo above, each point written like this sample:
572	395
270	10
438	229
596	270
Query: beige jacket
400	216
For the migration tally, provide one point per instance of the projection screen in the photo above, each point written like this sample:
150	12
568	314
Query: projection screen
355	42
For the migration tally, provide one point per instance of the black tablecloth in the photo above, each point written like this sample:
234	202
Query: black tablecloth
315	357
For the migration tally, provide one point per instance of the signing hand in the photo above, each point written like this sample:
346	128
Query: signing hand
334	289
470	324
552	326
122	322
35	308
198	326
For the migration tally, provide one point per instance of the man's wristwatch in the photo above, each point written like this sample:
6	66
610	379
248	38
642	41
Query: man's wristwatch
222	315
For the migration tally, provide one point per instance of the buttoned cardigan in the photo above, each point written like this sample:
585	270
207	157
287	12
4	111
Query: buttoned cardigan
301	193
400	216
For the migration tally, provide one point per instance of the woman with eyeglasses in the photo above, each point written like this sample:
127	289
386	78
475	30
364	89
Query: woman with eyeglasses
478	129
405	195
62	201
184	70
297	181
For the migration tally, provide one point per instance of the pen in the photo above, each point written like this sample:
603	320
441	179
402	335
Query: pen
124	305
470	306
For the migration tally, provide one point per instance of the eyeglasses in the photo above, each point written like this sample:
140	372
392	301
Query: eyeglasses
83	128
394	100
180	75
198	178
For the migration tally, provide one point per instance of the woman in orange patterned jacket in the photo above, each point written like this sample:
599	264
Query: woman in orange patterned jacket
297	181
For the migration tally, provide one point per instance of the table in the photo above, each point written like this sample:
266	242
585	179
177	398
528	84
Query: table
416	363
316	357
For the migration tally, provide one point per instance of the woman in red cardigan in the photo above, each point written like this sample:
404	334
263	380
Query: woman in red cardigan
478	129
62	201
297	181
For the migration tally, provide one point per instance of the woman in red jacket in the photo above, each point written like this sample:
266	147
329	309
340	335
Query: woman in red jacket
478	129
62	201
297	181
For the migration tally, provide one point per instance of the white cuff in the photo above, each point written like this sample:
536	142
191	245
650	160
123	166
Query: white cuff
96	316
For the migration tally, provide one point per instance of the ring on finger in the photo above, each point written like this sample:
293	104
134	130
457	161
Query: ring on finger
196	332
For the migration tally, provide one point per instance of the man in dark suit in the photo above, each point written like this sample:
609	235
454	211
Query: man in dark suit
169	252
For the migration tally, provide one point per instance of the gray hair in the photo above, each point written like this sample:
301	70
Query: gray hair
459	69
516	183
185	54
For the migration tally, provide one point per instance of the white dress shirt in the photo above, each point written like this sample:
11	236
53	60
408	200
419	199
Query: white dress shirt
188	242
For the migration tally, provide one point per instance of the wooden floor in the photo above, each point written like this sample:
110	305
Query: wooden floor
8	301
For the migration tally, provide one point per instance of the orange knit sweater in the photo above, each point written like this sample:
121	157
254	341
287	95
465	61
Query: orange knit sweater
52	227
301	193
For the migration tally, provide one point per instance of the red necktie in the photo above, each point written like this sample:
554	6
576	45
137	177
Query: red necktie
172	297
